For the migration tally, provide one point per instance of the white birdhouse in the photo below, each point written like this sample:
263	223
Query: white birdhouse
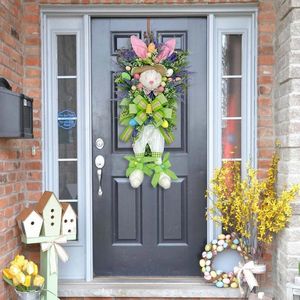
69	218
30	223
51	210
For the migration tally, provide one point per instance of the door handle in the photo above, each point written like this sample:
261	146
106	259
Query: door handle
99	162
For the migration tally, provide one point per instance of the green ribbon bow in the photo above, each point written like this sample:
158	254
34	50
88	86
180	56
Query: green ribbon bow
139	163
157	109
138	111
163	168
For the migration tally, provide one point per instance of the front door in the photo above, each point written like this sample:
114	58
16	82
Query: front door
149	231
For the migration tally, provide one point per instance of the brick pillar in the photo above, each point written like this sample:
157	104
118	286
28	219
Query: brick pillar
287	130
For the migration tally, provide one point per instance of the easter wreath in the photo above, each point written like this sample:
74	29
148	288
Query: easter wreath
218	277
150	85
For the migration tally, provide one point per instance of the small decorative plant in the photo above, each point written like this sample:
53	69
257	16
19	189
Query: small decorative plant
250	207
23	275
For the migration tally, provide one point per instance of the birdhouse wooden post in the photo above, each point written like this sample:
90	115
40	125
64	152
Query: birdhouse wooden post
30	223
51	210
69	219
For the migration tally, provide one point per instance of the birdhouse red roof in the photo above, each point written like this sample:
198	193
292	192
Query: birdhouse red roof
25	214
44	200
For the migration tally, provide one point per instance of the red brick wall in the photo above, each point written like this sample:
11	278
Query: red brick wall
20	63
12	172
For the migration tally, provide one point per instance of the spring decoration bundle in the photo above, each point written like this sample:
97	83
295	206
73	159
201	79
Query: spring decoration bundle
253	212
152	83
23	275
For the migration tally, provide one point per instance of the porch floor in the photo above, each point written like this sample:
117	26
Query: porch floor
156	287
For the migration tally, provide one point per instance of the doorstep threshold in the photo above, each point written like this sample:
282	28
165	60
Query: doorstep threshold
175	287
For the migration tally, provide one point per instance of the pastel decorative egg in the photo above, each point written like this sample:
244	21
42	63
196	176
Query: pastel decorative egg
165	124
221	236
209	255
161	89
234	285
208	262
236	241
214	247
219	284
207	277
208	247
177	79
163	84
133	87
169	72
202	263
233	247
225	245
214	242
220	248
136	76
151	47
228	236
225	275
214	252
213	274
239	248
207	269
221	242
219	272
203	269
125	75
133	122
127	68
204	254
225	285
226	280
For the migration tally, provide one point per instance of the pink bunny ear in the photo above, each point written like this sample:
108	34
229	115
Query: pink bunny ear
139	47
166	50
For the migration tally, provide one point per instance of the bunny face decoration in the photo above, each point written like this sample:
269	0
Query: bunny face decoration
153	76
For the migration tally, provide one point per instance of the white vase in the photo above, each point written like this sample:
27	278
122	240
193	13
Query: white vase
31	295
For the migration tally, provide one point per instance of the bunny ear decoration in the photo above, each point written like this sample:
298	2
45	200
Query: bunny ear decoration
139	47
166	50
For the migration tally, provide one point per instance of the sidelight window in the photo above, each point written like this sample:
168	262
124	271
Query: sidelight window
67	119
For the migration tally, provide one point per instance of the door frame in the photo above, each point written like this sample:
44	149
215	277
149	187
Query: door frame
82	14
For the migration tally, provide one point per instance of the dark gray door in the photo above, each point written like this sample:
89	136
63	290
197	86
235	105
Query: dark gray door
147	231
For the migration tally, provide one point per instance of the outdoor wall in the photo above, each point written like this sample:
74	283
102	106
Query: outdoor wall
287	130
21	173
13	175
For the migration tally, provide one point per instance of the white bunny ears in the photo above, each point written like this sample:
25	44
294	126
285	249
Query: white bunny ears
141	49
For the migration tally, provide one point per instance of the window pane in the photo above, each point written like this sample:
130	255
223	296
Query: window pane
231	139
232	54
66	55
67	94
68	180
231	97
67	140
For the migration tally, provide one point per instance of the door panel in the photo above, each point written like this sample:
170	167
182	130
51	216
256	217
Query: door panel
147	231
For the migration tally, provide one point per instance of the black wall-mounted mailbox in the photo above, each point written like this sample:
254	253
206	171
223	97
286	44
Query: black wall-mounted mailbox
16	119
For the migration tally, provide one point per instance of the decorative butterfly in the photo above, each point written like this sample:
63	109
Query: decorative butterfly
140	48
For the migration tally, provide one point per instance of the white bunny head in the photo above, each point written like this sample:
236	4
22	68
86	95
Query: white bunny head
150	79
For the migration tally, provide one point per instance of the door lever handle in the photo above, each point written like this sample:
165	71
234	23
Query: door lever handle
99	173
99	162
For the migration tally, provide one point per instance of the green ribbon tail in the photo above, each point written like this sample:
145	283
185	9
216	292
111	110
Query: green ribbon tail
171	174
155	179
126	134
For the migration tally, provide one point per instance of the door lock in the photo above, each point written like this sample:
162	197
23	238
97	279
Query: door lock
99	143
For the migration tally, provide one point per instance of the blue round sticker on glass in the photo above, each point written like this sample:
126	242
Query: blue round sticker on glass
67	119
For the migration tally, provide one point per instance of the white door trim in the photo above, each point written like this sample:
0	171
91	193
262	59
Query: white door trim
85	12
